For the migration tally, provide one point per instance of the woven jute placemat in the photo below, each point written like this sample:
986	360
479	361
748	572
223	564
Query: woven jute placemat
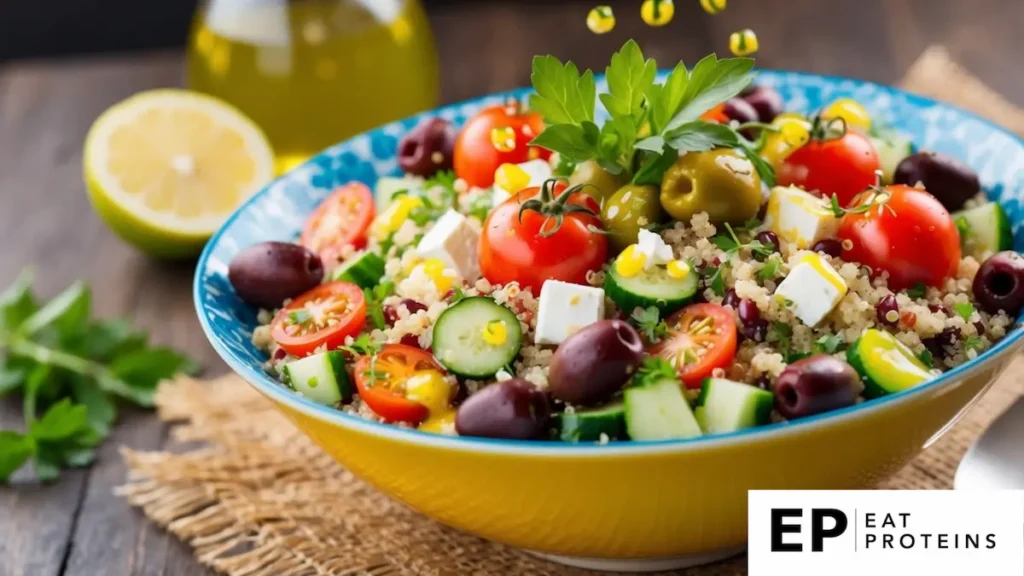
255	497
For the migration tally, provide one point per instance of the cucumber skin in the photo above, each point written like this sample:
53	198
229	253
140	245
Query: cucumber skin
765	403
693	425
336	360
365	272
1004	238
627	301
515	332
853	357
588	425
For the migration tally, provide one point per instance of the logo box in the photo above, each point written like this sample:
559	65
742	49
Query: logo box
878	532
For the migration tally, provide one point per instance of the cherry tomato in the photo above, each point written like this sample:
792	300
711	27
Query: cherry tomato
700	338
381	379
716	114
496	136
912	237
323	316
342	219
513	249
844	166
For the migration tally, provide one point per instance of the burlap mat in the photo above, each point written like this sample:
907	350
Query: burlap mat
254	497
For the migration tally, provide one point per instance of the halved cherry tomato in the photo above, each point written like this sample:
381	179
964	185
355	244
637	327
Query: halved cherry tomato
514	249
342	219
380	381
843	166
324	316
716	114
701	337
912	237
497	135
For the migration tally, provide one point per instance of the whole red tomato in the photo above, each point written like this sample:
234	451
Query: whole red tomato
524	242
844	166
911	236
496	136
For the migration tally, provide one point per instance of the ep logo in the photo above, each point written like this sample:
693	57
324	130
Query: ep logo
819	523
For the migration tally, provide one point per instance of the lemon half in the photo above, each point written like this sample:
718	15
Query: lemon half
165	168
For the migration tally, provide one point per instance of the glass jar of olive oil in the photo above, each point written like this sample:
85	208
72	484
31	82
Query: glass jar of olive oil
313	72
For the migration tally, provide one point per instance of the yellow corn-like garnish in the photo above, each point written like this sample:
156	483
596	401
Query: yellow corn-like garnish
511	177
503	138
495	333
392	218
630	262
743	43
657	12
429	387
435	270
678	269
849	110
712	6
443	423
600	20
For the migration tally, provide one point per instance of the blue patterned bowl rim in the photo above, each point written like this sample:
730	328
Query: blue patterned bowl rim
996	154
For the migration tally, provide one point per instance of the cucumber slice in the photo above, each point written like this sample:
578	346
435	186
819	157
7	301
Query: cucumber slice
588	425
365	270
321	377
892	148
729	406
459	342
652	287
983	229
659	411
885	364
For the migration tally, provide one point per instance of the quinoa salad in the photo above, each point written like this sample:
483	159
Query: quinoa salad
701	261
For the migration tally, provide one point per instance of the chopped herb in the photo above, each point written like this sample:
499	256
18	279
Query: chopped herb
964	228
731	244
974	343
362	346
714	274
926	358
918	291
771	267
300	316
480	206
964	309
750	225
829	344
782	331
375	310
654	370
649	321
458	294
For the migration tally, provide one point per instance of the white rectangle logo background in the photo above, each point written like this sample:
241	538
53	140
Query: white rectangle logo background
915	521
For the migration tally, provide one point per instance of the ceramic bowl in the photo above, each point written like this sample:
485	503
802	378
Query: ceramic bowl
632	505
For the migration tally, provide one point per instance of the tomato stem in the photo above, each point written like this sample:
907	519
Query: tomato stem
825	130
554	208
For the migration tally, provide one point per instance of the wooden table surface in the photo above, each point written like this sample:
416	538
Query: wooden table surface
77	526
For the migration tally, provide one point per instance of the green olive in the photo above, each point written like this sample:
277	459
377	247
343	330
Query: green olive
721	182
601	184
631	208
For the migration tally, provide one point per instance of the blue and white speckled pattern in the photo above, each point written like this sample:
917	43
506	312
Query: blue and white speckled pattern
277	213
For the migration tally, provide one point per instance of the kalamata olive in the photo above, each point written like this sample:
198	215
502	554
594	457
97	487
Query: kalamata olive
268	273
766	100
829	246
741	111
768	239
888	310
428	147
952	182
999	284
594	363
514	409
815	385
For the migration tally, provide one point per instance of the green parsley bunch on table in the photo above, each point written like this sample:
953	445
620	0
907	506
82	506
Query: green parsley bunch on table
69	371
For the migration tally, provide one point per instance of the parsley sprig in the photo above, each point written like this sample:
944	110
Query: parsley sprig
731	245
70	370
654	370
649	123
648	321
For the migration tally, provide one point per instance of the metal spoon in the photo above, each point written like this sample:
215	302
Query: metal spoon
996	460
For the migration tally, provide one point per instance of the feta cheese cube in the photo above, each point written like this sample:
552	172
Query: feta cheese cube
654	249
453	240
566	308
812	289
538	170
799	217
